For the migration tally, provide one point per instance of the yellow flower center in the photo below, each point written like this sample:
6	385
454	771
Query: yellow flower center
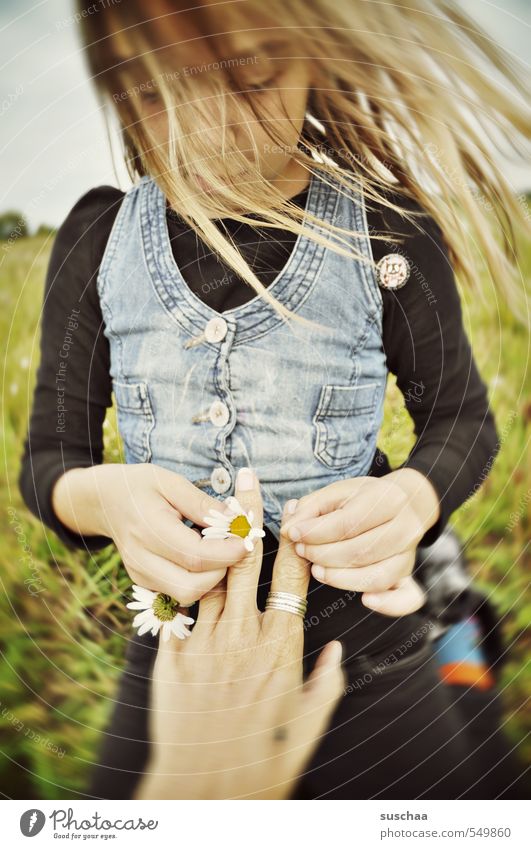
240	526
165	607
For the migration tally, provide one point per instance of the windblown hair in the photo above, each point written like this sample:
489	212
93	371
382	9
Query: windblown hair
414	98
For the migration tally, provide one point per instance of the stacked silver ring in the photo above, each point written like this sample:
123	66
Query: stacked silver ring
288	602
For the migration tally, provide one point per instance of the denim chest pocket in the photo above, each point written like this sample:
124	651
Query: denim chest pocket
344	422
135	418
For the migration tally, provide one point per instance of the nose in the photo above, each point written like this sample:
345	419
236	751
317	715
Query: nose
217	125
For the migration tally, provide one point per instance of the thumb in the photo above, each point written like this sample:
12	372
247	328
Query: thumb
324	687
247	492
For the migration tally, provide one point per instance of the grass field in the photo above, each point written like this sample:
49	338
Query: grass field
63	629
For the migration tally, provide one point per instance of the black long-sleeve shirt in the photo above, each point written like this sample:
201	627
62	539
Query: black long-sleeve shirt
423	339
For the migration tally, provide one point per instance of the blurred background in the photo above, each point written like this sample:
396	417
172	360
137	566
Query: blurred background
63	630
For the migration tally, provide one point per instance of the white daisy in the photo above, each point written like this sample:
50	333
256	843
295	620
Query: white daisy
234	523
159	612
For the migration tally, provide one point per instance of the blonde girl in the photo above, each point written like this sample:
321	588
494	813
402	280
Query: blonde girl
308	176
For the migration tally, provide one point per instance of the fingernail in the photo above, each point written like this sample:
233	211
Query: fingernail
299	548
337	651
291	506
294	534
373	600
245	479
318	572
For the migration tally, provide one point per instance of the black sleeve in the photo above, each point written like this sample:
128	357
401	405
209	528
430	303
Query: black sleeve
73	385
428	350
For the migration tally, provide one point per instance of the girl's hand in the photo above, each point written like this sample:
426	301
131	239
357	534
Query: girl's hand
361	534
141	507
230	717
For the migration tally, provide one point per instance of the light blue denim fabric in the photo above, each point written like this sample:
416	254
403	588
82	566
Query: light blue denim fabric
203	393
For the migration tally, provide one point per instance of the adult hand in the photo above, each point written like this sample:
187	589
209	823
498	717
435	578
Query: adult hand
230	714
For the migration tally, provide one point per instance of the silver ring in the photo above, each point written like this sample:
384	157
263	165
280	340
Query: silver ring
287	601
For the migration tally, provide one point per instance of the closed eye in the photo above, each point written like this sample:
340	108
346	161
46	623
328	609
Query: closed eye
263	87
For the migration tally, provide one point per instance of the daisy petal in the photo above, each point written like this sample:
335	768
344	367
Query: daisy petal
219	515
222	522
233	504
138	605
140	618
181	631
143	594
144	628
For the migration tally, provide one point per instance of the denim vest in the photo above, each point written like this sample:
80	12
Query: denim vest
203	393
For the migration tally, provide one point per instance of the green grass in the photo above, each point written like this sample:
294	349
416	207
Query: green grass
62	646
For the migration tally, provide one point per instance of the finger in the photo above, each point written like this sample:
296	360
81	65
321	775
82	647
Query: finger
322	501
211	605
329	661
324	689
407	597
354	518
161	576
369	547
375	578
242	581
291	574
175	541
190	501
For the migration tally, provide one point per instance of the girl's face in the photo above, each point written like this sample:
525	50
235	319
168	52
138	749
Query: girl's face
261	60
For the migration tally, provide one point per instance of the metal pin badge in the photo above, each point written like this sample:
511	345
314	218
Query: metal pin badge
393	271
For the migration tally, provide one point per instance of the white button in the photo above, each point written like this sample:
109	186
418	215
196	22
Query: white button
219	413
220	480
216	330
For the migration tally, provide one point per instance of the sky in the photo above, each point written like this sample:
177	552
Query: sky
54	146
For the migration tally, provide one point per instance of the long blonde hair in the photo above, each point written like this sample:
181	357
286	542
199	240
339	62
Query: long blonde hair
413	96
